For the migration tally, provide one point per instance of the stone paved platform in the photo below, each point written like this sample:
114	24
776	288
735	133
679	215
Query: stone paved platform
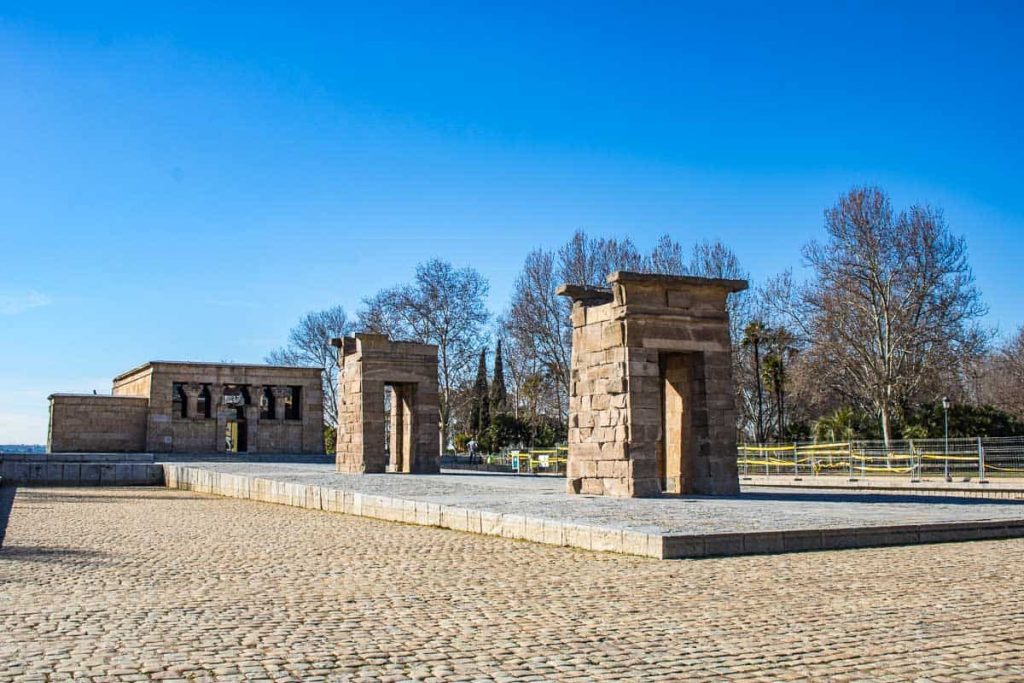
761	520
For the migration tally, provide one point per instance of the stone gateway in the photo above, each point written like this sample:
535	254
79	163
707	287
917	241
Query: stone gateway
651	406
370	366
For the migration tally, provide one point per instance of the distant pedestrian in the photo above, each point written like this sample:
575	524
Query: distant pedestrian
472	445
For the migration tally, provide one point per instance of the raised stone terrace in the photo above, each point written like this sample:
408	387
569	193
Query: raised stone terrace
535	508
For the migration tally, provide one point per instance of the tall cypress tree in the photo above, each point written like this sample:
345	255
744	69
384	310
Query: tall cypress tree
499	395
481	408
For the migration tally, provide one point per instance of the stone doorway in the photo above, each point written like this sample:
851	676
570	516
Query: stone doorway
676	445
401	426
236	434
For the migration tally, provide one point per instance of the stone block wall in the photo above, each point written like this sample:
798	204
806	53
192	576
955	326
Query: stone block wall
651	397
169	432
75	469
284	437
83	423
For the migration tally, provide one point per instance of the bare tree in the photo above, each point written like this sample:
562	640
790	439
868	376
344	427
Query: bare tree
383	313
1000	380
891	294
309	345
538	323
585	260
443	305
1012	358
711	258
666	257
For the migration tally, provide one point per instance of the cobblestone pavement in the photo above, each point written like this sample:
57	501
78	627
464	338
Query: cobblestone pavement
153	584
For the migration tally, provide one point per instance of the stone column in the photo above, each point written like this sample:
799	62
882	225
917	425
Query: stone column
372	409
192	392
279	396
349	447
218	413
255	396
397	456
252	417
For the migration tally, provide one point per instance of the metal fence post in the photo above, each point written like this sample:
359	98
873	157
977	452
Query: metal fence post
914	463
796	465
849	457
981	462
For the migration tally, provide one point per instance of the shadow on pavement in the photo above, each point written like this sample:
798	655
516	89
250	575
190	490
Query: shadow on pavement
506	475
6	503
70	494
51	554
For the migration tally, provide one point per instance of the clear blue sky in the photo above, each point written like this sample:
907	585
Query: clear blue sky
183	182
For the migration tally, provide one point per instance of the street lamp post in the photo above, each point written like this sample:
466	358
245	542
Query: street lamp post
945	419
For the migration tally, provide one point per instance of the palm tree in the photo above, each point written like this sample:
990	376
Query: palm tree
838	426
774	381
782	350
753	334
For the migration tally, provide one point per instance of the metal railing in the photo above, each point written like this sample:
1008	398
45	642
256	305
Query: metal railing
976	458
518	461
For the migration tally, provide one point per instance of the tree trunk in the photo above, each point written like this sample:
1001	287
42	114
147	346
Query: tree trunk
885	424
782	413
760	394
444	429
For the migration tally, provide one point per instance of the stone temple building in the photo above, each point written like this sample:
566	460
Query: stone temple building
651	405
187	407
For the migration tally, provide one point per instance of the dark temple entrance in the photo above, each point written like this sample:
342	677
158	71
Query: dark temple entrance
236	437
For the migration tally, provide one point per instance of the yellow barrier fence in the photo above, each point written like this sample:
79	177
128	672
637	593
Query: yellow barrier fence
961	457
